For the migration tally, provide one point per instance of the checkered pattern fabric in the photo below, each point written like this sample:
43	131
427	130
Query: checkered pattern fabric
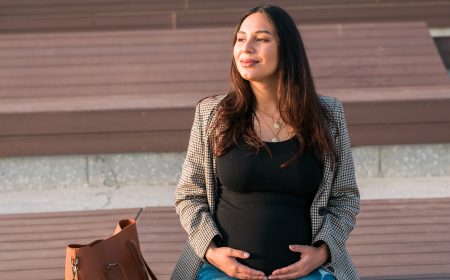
333	210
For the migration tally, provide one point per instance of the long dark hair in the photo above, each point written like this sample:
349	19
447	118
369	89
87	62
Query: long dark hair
298	102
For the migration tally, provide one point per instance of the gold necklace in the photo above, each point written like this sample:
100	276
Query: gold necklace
277	124
275	134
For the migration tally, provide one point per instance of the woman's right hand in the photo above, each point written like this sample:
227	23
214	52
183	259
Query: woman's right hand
224	258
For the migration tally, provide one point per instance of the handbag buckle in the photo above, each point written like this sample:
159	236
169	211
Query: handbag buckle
110	266
74	262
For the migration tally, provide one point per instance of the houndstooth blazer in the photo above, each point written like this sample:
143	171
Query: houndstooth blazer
333	210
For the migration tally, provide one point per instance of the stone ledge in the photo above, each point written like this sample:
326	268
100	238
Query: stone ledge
159	169
421	160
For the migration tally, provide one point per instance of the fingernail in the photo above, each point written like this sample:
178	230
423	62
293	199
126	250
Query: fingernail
246	255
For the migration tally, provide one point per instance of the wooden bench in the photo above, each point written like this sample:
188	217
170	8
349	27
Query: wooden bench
56	15
134	91
226	13
32	246
394	239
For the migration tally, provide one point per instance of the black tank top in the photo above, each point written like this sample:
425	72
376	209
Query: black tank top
263	208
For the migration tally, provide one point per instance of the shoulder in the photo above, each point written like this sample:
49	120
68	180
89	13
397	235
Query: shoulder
334	113
211	101
330	104
208	105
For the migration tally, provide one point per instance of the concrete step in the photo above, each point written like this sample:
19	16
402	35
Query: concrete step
68	199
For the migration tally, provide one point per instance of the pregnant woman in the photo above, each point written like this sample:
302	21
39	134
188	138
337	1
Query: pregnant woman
268	189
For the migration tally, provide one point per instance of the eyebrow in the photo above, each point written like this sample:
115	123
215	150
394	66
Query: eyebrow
257	32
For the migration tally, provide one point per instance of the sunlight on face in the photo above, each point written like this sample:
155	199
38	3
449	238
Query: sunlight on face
256	49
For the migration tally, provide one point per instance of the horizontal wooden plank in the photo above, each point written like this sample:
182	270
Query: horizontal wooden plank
144	59
413	247
207	44
50	3
421	247
47	245
216	4
194	80
61	8
435	14
393	260
377	255
123	121
443	229
45	77
398	117
42	253
67	218
388	210
311	33
434	276
159	141
84	22
110	89
397	112
21	217
56	244
400	134
133	61
162	270
26	17
405	270
58	262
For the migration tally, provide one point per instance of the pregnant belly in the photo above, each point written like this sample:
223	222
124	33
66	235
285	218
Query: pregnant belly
264	232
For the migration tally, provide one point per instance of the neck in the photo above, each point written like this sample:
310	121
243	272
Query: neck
265	95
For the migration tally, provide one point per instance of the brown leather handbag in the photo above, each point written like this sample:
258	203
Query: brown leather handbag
118	257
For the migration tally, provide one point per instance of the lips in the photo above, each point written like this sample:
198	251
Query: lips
248	62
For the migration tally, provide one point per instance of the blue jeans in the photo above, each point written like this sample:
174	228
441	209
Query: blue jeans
210	272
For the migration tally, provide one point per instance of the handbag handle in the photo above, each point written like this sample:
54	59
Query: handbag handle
145	268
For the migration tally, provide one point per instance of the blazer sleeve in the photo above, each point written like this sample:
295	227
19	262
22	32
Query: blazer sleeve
339	215
191	194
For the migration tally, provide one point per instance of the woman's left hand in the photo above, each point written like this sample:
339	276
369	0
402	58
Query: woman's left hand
311	258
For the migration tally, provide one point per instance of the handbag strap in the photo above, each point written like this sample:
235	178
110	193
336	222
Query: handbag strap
145	271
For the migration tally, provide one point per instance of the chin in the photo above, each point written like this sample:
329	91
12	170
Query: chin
250	77
256	77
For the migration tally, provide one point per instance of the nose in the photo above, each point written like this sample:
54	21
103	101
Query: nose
247	47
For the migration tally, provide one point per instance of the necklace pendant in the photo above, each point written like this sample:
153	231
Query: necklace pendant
275	139
277	124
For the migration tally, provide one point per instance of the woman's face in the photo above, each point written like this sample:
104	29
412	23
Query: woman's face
256	49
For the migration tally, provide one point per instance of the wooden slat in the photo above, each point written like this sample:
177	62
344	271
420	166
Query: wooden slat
49	9
150	232
409	248
155	141
419	252
32	246
95	92
94	15
401	134
217	4
436	14
400	246
216	70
